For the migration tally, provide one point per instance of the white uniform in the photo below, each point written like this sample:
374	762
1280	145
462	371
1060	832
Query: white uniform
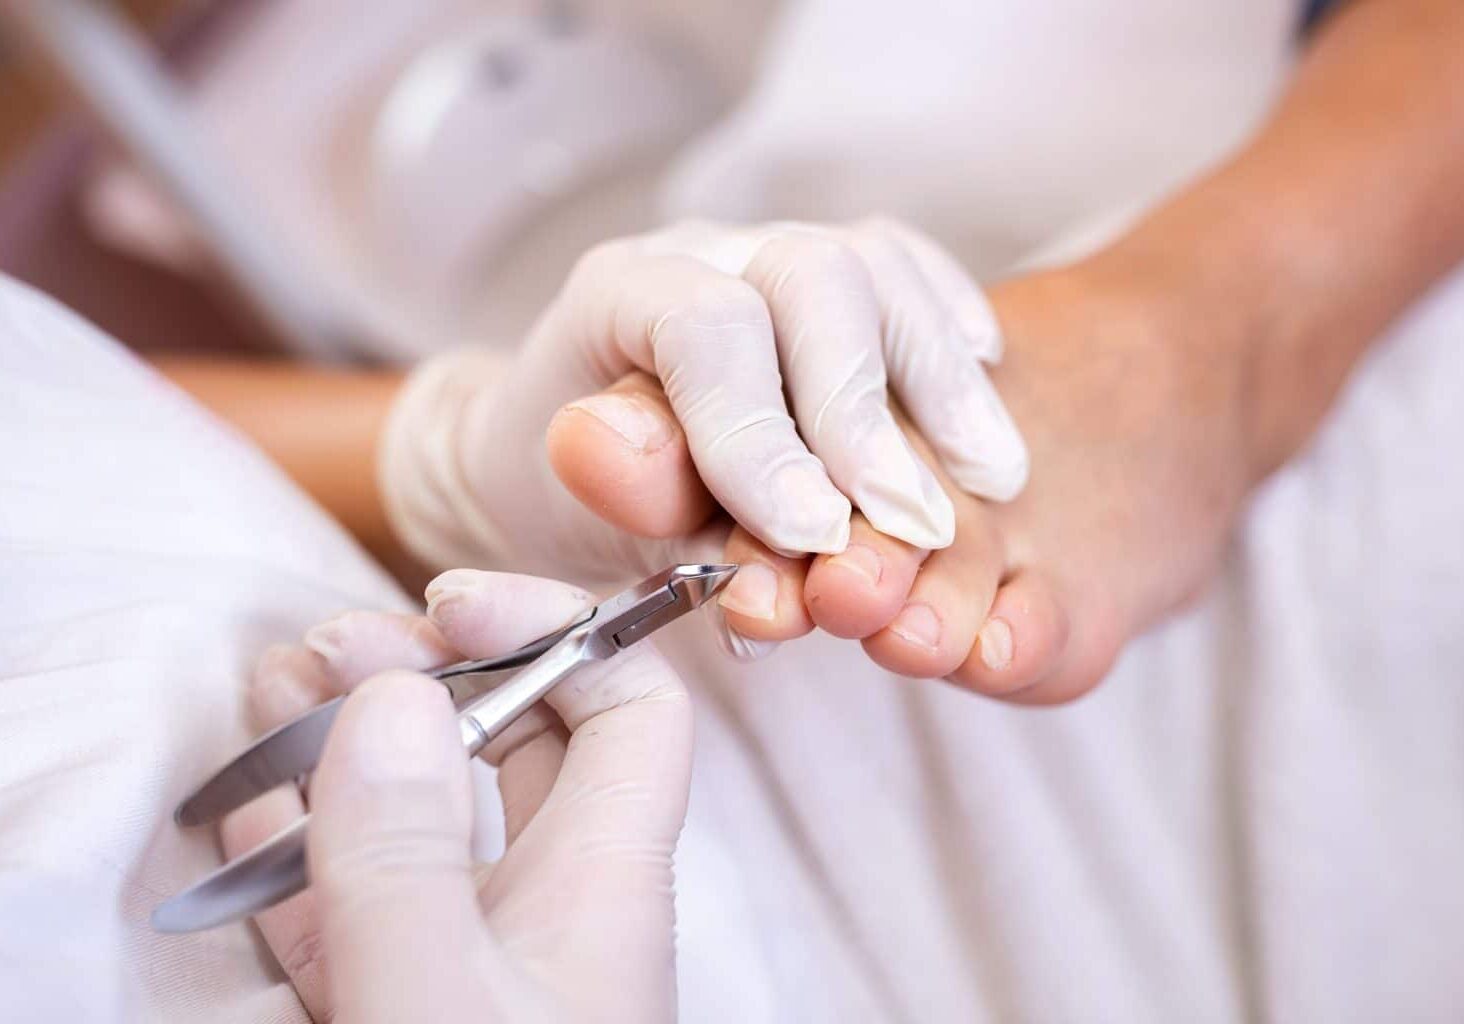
1260	813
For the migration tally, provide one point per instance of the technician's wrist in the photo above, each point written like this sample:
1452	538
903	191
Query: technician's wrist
423	472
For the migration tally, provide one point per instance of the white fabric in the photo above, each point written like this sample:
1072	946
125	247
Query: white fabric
147	558
1261	814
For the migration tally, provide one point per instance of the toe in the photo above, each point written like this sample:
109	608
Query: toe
1091	647
623	454
859	591
932	634
1022	642
764	601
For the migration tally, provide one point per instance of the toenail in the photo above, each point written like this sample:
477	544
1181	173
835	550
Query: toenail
641	428
861	560
753	592
918	624
995	639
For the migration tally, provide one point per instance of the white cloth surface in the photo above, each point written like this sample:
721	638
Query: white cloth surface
1260	814
147	558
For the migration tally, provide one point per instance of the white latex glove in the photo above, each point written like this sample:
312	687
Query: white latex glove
575	921
775	346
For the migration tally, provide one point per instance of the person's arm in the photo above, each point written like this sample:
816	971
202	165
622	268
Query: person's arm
1341	212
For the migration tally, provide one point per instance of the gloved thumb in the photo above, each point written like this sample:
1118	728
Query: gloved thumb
389	855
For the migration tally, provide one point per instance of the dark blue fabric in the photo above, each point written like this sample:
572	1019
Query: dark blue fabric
1314	10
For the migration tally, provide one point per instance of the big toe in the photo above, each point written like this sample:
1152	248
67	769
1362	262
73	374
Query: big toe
623	454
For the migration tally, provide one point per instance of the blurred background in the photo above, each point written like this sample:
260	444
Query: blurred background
336	179
48	142
29	103
373	182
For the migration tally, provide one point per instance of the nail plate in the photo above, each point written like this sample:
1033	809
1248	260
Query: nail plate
753	592
918	624
642	428
995	639
862	561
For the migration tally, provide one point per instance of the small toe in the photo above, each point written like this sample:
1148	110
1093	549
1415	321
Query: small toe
1021	643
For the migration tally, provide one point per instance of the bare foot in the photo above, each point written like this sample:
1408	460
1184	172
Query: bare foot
1137	431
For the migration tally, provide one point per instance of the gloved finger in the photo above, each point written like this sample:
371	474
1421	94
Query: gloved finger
960	294
359	644
493	613
623	454
594	866
526	774
707	336
389	857
483	614
827	323
288	680
763	604
935	371
291	929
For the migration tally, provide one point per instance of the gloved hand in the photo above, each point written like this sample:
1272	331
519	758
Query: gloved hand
774	346
575	921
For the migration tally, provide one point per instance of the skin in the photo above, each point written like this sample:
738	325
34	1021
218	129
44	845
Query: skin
1156	383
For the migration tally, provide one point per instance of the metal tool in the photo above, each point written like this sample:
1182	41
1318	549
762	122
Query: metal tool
276	870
